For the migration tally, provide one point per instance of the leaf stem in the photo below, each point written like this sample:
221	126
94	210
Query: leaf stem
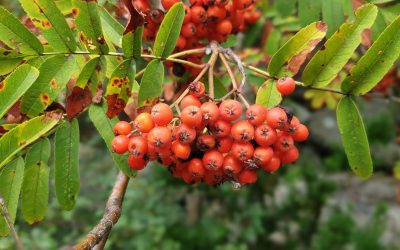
229	70
5	214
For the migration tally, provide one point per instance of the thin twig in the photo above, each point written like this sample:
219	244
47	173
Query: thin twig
111	215
246	103
211	63
235	58
229	70
6	216
227	95
188	52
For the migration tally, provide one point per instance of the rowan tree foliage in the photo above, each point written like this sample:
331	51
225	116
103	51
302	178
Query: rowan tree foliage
72	57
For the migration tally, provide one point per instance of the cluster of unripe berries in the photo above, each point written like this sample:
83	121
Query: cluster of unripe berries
207	141
204	19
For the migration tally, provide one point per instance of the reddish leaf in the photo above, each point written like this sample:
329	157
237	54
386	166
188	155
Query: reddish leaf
78	101
115	105
136	19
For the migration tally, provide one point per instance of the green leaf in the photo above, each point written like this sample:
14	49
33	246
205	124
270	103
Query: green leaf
285	7
379	25
376	62
273	42
91	74
66	164
328	61
309	11
332	15
169	31
64	6
112	29
88	23
54	75
97	114
35	186
46	16
15	85
151	83
119	88
354	137
289	58
24	134
7	65
15	35
268	95
11	180
132	43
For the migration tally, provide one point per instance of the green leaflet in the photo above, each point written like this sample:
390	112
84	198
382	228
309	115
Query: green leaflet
285	7
54	75
328	61
376	62
354	137
97	114
332	15
268	95
309	11
66	164
88	23
15	85
169	31
35	186
132	43
151	83
11	180
91	74
289	58
119	88
15	35
112	29
46	16
24	134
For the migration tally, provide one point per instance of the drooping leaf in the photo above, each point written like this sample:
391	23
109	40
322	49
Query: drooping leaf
332	15
272	44
88	23
309	11
119	88
132	36
289	58
11	180
169	31
46	16
376	62
354	137
35	186
151	83
24	134
268	95
86	86
112	29
97	114
379	25
66	164
7	65
15	35
15	85
328	61
54	75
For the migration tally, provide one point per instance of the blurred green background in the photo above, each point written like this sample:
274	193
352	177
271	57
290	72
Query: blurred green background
316	203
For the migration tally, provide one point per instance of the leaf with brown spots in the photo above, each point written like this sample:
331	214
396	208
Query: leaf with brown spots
132	36
24	134
54	75
151	83
289	58
119	88
88	24
88	87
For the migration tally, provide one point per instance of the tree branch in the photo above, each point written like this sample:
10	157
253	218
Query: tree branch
111	215
4	213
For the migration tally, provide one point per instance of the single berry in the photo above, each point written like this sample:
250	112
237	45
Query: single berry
191	116
160	137
180	150
265	135
196	168
137	146
242	150
230	110
221	128
247	176
199	14
143	123
190	100
210	112
122	128
205	142
256	114
286	85
161	114
224	144
284	142
213	160
120	144
276	118
262	155
273	165
290	156
197	89
242	131
301	133
231	166
136	163
185	134
167	4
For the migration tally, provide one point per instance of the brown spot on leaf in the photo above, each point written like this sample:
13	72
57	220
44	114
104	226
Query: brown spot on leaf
53	115
22	143
77	101
14	113
114	105
99	94
101	40
148	104
5	53
296	61
53	83
2	85
136	19
82	37
45	99
75	12
322	26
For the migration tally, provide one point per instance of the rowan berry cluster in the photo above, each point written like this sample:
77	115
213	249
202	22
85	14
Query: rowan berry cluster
208	142
204	19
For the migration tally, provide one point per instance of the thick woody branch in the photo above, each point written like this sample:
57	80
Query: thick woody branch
111	215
